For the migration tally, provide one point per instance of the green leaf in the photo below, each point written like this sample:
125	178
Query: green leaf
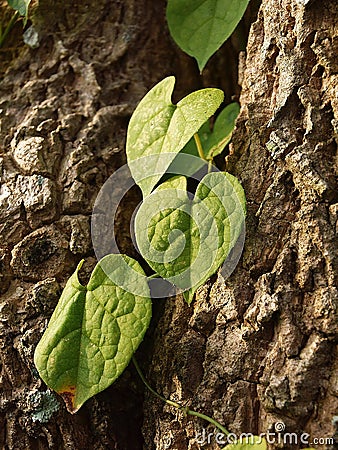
94	331
223	196
158	130
185	241
251	443
222	132
214	141
199	27
21	6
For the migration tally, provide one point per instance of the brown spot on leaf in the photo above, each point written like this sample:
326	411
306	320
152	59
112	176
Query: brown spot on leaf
68	395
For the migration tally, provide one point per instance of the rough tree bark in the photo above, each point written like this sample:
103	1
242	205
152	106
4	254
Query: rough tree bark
252	350
260	347
64	111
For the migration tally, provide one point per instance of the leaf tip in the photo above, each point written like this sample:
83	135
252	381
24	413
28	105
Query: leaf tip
189	296
68	395
201	65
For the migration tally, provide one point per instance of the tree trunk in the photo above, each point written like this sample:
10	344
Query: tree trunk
65	107
252	350
258	351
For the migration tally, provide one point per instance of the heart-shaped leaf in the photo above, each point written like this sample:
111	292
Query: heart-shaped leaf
213	141
186	240
94	330
158	130
199	27
249	443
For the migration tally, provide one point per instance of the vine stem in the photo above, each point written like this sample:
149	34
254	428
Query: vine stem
10	25
176	405
201	152
209	165
199	146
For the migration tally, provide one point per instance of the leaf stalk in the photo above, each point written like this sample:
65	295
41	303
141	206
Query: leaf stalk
199	146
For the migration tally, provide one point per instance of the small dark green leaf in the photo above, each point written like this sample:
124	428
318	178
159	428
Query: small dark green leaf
222	131
94	330
214	141
199	27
